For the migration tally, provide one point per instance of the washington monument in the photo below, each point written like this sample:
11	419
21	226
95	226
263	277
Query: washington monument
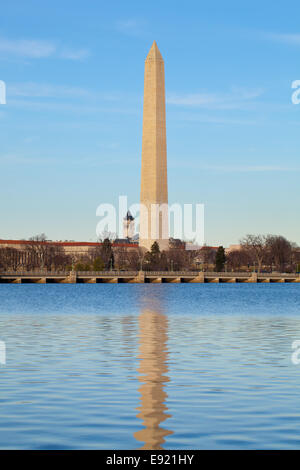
154	224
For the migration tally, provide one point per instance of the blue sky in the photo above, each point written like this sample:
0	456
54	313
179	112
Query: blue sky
71	130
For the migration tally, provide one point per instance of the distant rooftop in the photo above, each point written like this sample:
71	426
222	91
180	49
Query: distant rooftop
128	216
116	243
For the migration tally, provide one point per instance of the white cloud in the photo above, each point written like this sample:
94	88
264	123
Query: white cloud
72	54
27	48
206	119
250	169
45	90
132	27
232	100
38	49
192	99
31	139
236	168
288	38
14	159
55	97
69	107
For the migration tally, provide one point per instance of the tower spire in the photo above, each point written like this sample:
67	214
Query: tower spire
154	186
154	53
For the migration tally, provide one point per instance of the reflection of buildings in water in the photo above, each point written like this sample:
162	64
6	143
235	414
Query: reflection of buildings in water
153	329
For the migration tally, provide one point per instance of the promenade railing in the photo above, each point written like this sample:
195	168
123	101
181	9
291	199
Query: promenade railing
120	273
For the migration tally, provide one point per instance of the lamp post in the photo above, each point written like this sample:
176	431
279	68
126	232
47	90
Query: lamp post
73	261
142	260
172	269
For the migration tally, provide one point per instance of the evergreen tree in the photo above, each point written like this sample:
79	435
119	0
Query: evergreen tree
82	267
107	254
152	257
155	249
220	259
98	264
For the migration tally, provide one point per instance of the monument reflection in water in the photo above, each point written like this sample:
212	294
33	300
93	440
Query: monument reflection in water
153	369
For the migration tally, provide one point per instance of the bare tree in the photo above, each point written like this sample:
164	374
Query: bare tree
121	257
46	254
56	257
279	251
205	256
238	259
95	251
134	258
255	246
106	235
10	258
179	259
295	256
39	249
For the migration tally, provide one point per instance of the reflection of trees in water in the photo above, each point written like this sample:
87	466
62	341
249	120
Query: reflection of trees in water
153	336
128	347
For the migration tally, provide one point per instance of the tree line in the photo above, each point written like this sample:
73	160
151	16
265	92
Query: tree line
264	253
255	252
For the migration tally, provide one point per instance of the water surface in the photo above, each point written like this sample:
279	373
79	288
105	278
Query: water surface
187	366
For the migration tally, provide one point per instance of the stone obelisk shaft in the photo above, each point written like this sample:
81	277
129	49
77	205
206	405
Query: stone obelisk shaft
154	185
